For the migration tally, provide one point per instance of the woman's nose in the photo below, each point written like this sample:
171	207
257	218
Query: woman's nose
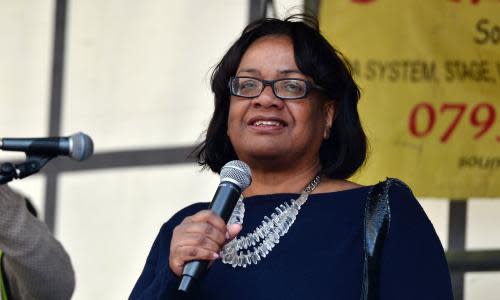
268	99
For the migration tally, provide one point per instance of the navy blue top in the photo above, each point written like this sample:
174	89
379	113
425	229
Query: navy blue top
321	257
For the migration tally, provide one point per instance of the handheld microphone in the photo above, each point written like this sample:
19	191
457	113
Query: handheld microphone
235	177
78	146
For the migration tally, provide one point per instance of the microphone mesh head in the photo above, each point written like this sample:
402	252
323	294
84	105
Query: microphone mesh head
83	147
236	172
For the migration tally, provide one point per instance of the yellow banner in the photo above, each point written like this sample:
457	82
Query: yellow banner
429	73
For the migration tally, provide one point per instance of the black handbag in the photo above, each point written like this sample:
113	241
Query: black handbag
377	220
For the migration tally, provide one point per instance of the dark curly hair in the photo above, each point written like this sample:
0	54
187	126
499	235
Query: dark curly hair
345	150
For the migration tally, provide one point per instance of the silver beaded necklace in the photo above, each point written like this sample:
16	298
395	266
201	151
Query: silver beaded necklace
267	235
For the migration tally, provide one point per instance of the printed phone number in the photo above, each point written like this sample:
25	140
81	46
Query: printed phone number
424	116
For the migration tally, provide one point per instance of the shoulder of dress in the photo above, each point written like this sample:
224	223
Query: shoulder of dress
395	193
194	207
400	197
394	186
183	213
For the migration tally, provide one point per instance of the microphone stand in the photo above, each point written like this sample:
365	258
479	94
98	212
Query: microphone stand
33	164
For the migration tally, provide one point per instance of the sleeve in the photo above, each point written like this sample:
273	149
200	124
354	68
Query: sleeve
157	281
35	264
413	264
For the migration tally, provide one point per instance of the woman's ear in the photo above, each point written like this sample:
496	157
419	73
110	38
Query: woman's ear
329	109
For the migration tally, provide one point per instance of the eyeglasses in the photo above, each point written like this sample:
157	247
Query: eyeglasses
285	88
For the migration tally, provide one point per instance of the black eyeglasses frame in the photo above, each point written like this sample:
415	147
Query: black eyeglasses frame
309	87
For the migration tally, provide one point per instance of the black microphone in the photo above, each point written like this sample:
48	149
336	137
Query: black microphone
78	146
235	177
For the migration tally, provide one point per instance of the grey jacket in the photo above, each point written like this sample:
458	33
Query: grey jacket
35	263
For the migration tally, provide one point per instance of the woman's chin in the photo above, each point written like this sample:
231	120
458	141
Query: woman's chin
265	155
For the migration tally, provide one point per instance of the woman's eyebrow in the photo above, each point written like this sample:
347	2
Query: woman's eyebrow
292	71
281	72
248	70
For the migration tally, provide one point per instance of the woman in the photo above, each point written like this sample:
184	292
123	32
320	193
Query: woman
285	103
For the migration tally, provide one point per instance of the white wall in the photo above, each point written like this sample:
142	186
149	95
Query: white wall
136	77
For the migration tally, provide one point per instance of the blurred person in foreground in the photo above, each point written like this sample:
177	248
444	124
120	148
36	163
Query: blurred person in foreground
286	104
34	265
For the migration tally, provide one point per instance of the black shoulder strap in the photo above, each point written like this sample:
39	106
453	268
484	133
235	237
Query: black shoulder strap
377	221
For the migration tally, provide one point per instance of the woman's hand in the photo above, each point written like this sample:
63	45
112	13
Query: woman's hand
199	237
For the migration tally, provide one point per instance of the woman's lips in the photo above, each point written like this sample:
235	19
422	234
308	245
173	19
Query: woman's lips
262	123
267	124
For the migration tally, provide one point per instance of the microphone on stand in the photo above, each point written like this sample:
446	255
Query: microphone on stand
78	146
235	177
39	151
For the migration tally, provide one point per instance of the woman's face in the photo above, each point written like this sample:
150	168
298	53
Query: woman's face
267	128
